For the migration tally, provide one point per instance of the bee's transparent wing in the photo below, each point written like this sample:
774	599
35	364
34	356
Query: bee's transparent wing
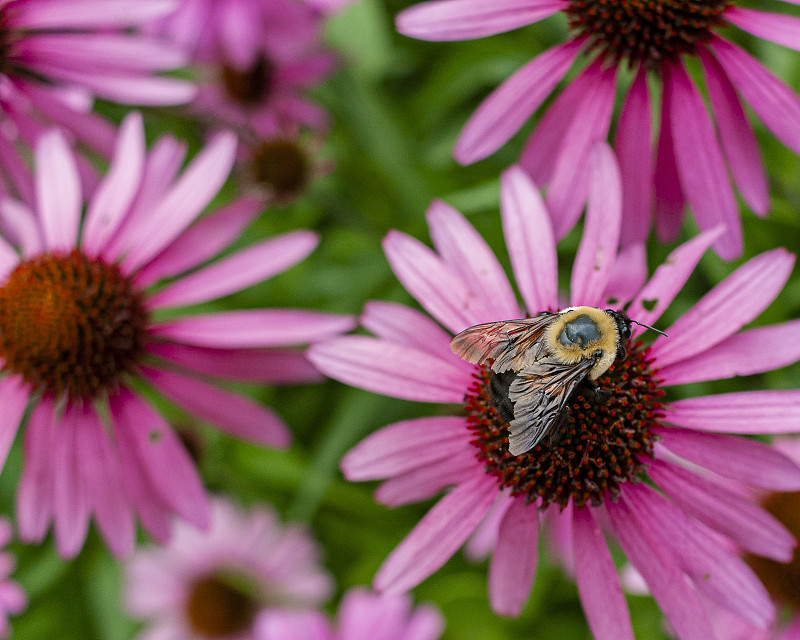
512	344
540	394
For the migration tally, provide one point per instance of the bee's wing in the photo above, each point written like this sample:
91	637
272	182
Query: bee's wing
512	344
540	394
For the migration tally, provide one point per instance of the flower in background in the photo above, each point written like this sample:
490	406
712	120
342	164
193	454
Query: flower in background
590	483
259	58
694	152
89	314
224	582
58	55
362	616
12	598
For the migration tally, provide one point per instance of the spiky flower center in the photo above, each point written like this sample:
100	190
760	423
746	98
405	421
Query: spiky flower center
250	86
218	607
605	439
282	166
646	31
71	324
782	580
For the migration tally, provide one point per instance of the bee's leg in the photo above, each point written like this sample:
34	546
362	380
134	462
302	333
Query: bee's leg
600	396
499	384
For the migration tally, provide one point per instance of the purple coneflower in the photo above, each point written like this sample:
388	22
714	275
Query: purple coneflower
12	598
85	326
224	582
626	41
59	54
362	616
590	483
258	57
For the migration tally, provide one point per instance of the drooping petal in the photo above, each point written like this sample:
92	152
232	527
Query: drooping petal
725	309
58	191
775	27
468	19
513	565
741	459
233	413
437	536
739	412
597	252
70	499
509	106
701	168
743	354
529	238
598	582
669	197
34	508
399	323
635	155
391	369
13	401
730	514
87	13
467	253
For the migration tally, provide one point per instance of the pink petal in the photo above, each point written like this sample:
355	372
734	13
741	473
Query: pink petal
741	412
70	500
8	259
669	196
736	135
233	413
18	171
403	446
256	366
740	459
530	242
598	248
239	34
628	274
113	198
202	241
746	353
200	182
155	514
724	511
701	168
644	545
391	369
590	123
777	28
434	284
737	300
83	14
426	623
484	539
462	247
34	508
14	397
509	106
469	19
669	278
598	582
22	229
437	536
717	573
774	102
399	323
253	328
635	155
161	456
58	191
243	269
513	564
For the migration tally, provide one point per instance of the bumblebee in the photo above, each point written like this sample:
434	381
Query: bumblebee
538	363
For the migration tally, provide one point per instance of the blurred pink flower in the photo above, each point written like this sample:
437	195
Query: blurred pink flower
225	581
362	616
12	598
695	150
671	535
85	325
258	57
59	54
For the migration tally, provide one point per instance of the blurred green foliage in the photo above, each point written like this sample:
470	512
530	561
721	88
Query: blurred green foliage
398	105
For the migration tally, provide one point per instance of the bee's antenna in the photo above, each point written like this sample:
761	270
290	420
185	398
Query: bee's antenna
647	326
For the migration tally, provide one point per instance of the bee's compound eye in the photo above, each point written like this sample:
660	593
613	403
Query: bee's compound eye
597	354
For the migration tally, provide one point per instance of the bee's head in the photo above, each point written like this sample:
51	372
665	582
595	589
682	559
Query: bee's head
623	329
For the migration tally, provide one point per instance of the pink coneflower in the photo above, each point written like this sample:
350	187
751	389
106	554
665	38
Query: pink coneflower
12	598
362	616
85	326
590	483
58	54
625	41
258	58
221	583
